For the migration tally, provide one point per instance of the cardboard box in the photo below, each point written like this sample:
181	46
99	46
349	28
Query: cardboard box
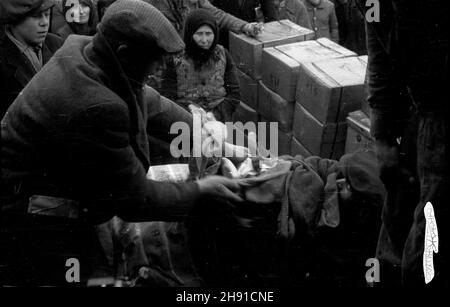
275	108
323	140
247	51
245	114
331	89
297	148
248	89
358	132
282	63
276	143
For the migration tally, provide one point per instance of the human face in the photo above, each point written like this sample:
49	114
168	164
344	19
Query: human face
204	37
78	13
33	29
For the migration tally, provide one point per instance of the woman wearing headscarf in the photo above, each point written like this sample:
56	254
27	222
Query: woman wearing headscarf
74	17
204	74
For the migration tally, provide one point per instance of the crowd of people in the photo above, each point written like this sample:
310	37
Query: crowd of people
87	86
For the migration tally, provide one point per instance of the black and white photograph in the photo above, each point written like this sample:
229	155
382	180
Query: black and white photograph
223	150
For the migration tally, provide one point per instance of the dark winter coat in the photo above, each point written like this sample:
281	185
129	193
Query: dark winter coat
82	135
16	70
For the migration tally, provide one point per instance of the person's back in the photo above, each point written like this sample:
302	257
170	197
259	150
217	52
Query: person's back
295	11
323	19
75	149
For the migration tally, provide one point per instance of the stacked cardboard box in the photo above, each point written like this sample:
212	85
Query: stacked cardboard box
277	90
282	63
247	51
326	92
277	142
358	133
257	101
246	111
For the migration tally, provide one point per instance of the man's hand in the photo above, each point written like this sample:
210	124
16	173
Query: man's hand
252	29
220	187
388	161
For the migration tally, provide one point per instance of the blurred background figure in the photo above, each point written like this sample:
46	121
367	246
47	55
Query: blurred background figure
74	17
177	10
342	15
323	19
294	10
25	45
244	9
353	34
205	74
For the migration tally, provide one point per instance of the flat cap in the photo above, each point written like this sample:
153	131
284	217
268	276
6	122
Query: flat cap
14	10
138	22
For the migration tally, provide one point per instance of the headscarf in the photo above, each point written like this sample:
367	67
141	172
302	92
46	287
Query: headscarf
194	21
81	29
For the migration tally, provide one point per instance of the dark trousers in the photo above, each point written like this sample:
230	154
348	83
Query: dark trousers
402	236
433	170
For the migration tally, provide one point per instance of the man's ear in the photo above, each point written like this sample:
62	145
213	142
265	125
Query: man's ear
123	53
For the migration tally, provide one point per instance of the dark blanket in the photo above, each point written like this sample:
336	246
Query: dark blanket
294	229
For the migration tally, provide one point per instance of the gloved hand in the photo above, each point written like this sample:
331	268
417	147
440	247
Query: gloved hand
221	187
388	160
252	29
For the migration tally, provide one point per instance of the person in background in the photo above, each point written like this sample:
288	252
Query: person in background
323	19
177	10
342	14
75	151
355	36
205	74
294	10
25	46
408	52
242	9
74	17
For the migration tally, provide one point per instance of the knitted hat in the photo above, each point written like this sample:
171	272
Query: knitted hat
13	10
140	23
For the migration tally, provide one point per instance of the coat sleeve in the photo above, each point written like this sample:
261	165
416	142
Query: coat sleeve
225	20
385	88
162	113
334	25
106	171
302	15
232	82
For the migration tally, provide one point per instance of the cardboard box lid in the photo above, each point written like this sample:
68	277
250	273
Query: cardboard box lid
312	51
277	31
360	121
287	60
339	72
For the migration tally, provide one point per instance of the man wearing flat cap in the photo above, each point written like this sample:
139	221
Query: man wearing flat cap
75	149
25	45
